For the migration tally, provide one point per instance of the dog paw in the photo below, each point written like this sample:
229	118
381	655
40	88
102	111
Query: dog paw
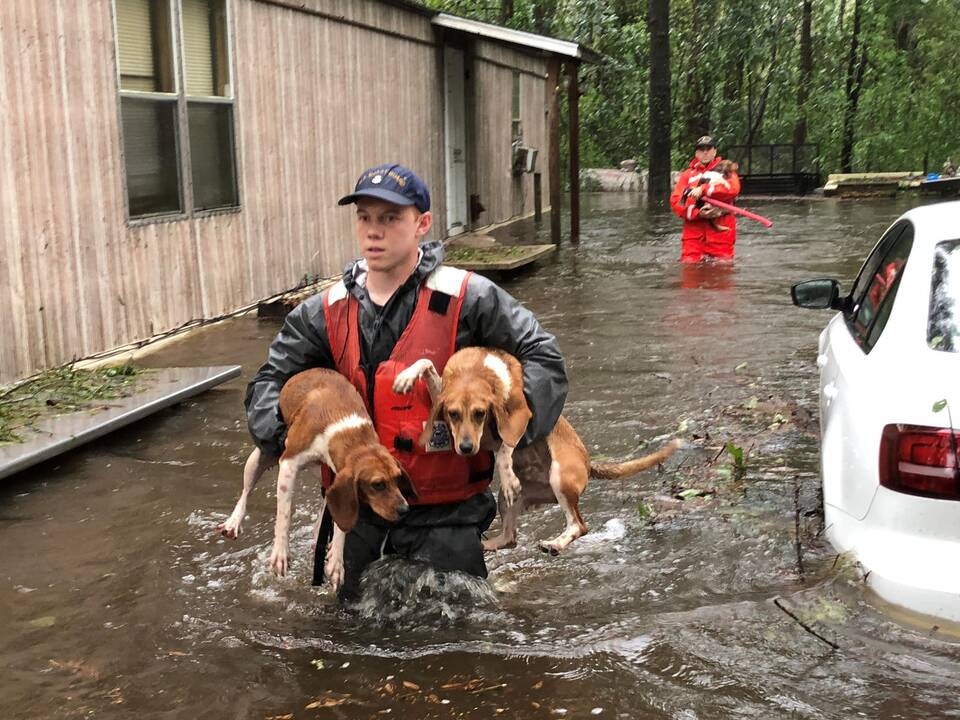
549	546
230	528
333	571
279	559
405	381
498	543
510	487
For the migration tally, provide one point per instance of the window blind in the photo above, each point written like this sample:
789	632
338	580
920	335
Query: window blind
135	42
198	47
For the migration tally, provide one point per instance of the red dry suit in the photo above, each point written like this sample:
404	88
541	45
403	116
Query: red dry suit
699	237
438	476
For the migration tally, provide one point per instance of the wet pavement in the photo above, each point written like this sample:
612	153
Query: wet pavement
118	599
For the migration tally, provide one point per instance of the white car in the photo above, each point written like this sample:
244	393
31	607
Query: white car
889	402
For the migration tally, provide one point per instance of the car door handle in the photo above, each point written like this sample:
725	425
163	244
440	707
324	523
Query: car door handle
830	391
821	360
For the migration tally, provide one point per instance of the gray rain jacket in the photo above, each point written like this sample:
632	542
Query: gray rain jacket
489	316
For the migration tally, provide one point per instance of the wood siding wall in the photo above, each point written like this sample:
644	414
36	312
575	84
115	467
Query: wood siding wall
315	104
503	194
66	282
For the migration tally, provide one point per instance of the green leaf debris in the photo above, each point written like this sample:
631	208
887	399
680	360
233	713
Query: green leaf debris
59	391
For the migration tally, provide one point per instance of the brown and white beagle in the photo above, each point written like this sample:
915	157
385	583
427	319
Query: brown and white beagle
480	397
328	424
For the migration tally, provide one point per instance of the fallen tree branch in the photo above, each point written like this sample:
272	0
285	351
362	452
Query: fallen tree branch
801	623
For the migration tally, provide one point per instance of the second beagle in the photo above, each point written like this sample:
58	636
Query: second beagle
480	397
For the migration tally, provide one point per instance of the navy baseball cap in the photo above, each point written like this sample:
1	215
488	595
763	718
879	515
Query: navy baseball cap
393	183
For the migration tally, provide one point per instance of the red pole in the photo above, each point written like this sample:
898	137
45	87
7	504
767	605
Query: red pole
738	211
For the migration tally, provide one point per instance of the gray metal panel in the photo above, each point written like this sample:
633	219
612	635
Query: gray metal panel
166	387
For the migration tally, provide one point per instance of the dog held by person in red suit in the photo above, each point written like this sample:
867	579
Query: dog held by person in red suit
708	232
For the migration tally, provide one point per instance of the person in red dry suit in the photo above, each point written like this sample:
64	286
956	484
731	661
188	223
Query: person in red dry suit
708	232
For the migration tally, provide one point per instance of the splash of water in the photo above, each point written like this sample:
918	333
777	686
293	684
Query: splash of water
395	591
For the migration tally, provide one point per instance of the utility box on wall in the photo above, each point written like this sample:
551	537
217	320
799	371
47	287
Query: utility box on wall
524	159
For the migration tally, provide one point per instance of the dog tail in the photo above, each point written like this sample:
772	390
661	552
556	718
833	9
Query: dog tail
614	471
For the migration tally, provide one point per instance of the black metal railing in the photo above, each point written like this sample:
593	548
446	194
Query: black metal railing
777	168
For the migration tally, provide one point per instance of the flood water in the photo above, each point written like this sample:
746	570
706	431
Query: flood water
118	599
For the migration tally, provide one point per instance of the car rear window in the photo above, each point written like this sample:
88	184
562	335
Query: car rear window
877	284
943	326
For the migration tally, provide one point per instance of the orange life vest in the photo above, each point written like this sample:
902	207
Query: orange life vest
438	476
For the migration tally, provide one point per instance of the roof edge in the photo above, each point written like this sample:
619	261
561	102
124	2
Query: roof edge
545	43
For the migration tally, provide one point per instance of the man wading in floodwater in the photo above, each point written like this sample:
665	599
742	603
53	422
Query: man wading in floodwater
708	232
392	307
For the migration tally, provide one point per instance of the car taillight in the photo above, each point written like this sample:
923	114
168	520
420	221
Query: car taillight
920	460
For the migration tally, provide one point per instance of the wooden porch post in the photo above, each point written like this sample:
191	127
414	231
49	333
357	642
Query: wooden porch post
573	98
553	141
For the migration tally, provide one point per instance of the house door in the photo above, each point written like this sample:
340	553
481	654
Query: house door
456	144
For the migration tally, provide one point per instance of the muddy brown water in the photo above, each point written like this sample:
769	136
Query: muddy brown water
117	598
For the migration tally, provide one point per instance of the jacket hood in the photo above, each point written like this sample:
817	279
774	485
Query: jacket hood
431	256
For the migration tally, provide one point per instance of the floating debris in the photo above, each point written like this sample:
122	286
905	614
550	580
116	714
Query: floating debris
691	493
77	667
331	700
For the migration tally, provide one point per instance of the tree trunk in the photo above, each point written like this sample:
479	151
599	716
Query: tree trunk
755	122
540	24
806	73
856	66
697	109
506	11
678	69
658	22
734	108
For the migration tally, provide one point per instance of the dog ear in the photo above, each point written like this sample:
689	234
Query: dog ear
436	412
511	421
344	500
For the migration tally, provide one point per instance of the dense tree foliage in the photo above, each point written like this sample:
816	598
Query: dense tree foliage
877	92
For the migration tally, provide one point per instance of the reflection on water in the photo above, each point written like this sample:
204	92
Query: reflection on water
943	327
707	275
121	600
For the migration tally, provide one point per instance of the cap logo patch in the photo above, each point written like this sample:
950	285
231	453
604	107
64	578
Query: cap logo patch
377	179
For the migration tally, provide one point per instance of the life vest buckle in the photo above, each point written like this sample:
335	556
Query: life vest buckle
402	444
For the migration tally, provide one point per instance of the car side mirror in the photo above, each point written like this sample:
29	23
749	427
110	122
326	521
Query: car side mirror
820	294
